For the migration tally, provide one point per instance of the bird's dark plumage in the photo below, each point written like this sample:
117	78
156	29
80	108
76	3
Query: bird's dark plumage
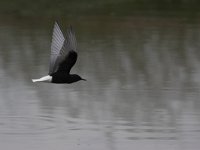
63	57
67	63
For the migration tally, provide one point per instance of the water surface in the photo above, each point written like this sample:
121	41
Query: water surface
142	89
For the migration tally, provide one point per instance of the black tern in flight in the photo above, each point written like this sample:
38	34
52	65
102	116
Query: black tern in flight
63	58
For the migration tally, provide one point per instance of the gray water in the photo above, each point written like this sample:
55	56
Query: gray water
142	89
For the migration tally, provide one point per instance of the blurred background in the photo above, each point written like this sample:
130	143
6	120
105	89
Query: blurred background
141	60
49	8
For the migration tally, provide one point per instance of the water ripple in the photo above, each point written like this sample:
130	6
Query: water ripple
25	125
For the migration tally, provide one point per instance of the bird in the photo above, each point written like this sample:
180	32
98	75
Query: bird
63	57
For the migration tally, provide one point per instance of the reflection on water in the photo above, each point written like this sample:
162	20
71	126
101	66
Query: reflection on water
142	90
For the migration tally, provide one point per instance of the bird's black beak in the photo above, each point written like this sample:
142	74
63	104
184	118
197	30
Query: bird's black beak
83	79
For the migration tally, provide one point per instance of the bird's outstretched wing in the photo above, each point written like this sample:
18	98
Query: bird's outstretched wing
68	55
69	61
56	45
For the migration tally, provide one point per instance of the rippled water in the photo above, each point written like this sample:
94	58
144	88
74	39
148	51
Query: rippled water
142	89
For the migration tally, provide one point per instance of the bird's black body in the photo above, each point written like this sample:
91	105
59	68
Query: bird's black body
63	58
61	78
62	74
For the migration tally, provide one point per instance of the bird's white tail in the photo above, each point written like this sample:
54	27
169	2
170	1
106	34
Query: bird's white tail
35	80
43	79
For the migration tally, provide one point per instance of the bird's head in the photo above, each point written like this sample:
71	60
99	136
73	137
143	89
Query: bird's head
78	78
